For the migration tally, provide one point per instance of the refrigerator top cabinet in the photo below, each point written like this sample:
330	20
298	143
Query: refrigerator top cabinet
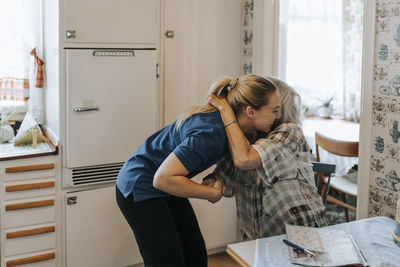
112	22
110	105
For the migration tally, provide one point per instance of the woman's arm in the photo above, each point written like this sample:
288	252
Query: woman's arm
244	156
171	178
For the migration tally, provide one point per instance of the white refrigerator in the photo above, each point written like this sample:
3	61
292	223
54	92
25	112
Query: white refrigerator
111	106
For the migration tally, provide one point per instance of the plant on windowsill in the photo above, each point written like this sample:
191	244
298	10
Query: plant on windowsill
6	131
326	108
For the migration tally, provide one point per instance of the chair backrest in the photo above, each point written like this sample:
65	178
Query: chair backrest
337	147
321	170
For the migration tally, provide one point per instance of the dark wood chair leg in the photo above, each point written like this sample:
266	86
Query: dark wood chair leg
346	211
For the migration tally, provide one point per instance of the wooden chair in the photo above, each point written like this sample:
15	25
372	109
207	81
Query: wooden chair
323	170
342	185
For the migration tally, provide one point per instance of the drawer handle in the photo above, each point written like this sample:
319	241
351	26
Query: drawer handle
28	205
27	260
22	187
36	231
36	167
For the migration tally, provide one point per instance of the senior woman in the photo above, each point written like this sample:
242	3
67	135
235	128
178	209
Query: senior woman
272	179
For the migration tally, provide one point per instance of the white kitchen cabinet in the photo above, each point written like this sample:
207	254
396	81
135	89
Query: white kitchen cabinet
97	234
112	22
28	211
205	46
218	221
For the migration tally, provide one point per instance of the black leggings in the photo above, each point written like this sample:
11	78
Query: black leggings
166	231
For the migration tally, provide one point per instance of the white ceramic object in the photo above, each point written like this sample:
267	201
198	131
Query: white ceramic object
325	112
6	133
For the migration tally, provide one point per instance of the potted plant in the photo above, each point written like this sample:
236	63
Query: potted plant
326	108
6	131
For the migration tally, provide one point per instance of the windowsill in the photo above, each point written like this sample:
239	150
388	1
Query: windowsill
333	117
12	106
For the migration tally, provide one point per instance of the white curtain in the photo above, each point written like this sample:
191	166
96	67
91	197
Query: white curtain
311	48
20	31
320	51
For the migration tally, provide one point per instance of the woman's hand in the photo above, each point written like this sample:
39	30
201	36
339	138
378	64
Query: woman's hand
215	185
219	103
213	180
218	189
223	106
209	180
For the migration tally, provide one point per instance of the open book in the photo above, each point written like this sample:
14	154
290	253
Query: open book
332	247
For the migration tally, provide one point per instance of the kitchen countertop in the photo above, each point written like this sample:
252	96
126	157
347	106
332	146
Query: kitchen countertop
8	151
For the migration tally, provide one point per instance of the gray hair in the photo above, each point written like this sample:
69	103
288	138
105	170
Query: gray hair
290	103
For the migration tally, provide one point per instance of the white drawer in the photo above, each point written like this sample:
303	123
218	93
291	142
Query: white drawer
25	240
28	212
40	167
42	259
28	188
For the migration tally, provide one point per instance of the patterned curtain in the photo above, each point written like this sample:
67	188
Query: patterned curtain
21	30
13	89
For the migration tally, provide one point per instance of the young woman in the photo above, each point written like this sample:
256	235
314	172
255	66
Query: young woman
281	189
153	185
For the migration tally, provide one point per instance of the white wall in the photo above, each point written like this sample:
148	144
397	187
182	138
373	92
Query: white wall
51	52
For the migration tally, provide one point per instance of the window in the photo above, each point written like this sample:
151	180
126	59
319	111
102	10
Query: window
21	31
320	52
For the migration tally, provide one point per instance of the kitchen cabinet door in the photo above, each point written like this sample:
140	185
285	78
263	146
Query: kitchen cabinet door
96	231
28	201
205	45
218	221
112	22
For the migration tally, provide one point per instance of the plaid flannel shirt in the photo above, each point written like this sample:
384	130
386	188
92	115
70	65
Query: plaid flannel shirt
281	191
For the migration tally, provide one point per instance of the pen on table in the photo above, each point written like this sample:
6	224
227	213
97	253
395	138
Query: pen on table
306	251
365	263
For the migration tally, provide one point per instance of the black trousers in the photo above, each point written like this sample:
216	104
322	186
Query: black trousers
166	231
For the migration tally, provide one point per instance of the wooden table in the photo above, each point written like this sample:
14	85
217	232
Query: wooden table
243	252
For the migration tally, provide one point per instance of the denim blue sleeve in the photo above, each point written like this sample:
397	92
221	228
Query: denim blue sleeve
201	149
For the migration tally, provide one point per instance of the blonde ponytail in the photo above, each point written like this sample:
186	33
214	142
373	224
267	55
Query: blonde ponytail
248	90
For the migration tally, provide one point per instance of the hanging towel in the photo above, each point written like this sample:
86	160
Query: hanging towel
40	72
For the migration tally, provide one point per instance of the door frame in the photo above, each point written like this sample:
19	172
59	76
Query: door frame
265	62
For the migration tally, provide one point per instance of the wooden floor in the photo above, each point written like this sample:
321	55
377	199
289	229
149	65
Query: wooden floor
221	260
216	260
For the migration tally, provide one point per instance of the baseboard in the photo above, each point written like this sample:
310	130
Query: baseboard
216	250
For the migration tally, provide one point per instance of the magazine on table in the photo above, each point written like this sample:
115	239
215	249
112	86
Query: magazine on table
329	247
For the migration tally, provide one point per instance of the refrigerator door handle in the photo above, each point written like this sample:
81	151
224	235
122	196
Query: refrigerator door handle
84	109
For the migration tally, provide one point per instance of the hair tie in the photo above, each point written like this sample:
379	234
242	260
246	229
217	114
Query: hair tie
233	84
